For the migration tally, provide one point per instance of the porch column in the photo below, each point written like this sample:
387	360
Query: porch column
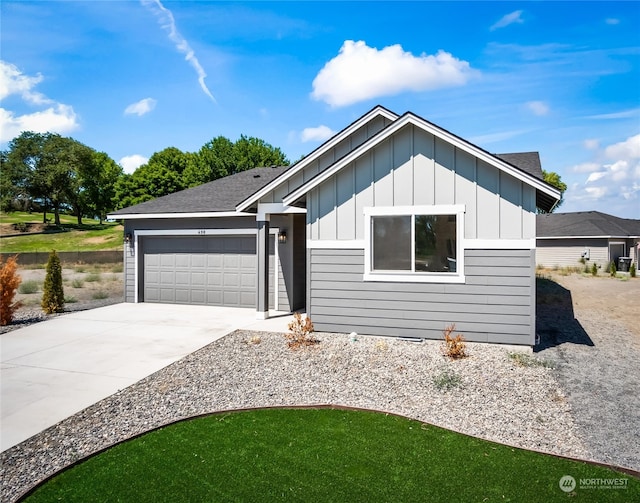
262	303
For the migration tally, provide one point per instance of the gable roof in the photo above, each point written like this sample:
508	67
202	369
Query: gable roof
221	195
546	195
375	112
526	161
585	224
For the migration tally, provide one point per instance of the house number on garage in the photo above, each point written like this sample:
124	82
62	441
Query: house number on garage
202	232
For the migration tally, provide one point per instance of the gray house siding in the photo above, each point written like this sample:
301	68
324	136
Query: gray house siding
413	167
496	304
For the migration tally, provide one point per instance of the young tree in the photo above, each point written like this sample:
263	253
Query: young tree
53	290
9	282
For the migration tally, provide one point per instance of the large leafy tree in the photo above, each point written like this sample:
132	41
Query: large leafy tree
99	179
250	152
554	179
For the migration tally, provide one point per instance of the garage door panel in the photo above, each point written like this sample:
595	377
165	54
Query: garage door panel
212	270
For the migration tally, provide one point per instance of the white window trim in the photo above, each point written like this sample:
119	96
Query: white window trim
415	277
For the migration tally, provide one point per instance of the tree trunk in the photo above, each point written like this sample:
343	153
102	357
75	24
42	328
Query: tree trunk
79	218
56	212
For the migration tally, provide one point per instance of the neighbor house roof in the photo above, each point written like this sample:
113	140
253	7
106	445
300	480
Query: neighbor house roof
585	224
221	195
546	195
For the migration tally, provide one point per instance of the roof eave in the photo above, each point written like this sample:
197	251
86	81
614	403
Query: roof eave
547	192
168	215
315	154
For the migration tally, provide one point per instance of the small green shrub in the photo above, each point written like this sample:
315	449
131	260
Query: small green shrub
70	299
632	270
93	277
53	296
526	360
77	283
447	380
594	269
117	268
29	287
100	294
612	269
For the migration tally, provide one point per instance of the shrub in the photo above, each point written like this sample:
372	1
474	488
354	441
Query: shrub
100	294
9	283
28	287
77	283
117	268
53	296
526	360
594	269
612	269
93	277
300	332
454	346
632	270
70	299
447	380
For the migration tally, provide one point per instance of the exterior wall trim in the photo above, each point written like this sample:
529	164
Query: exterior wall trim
204	214
500	244
335	244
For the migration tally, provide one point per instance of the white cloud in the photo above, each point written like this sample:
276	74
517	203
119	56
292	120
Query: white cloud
319	133
539	108
591	143
168	22
360	72
55	118
130	163
625	114
506	20
141	107
612	21
613	181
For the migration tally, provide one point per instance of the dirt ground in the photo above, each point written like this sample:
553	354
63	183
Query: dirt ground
611	298
84	285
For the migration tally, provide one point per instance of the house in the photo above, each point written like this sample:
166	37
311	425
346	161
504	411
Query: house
392	227
565	238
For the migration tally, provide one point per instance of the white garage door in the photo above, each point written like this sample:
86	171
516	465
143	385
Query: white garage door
215	271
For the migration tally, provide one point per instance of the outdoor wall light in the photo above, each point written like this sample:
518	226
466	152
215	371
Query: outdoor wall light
127	238
282	237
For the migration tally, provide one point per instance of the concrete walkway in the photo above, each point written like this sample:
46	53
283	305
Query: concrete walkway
55	368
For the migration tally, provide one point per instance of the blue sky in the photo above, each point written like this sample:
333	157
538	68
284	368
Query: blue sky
131	78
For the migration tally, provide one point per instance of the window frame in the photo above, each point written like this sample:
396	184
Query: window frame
414	276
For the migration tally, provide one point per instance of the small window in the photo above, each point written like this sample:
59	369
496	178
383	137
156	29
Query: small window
414	244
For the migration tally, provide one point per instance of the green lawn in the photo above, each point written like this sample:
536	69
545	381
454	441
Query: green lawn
90	236
321	455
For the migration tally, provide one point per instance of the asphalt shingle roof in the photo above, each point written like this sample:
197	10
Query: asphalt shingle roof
529	162
222	194
585	224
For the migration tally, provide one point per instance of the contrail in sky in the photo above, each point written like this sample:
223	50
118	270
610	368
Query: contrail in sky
167	21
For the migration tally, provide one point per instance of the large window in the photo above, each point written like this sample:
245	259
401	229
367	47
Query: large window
414	243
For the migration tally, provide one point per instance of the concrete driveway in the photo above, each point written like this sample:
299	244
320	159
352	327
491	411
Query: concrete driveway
54	369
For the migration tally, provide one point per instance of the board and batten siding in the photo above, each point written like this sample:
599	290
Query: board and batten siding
351	142
496	304
415	168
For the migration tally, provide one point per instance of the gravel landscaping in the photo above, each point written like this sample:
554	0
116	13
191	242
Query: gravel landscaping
578	396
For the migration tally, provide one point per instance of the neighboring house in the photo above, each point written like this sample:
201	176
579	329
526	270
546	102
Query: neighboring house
392	227
564	238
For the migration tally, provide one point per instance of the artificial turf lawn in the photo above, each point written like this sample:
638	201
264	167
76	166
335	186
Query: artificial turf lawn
320	455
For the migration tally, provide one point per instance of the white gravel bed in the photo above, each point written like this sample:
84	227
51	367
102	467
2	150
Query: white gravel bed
496	398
